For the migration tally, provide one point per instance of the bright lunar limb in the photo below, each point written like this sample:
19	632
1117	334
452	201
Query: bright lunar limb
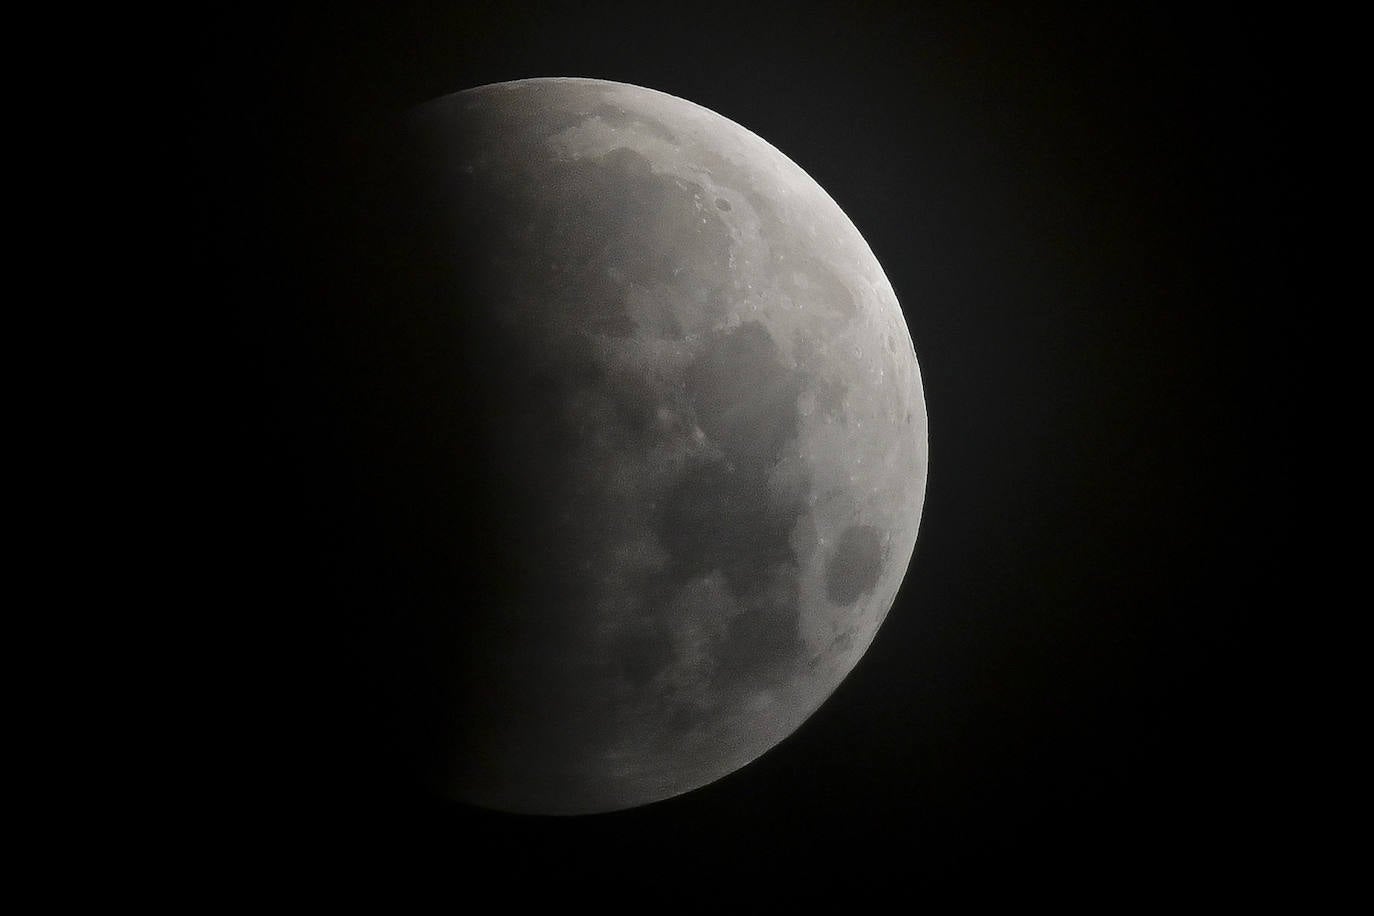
689	443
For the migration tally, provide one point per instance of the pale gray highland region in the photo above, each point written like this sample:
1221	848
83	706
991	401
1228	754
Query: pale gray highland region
696	443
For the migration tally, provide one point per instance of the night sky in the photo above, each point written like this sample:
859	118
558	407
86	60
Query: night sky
1084	213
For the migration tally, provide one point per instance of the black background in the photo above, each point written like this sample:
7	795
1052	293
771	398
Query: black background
1085	213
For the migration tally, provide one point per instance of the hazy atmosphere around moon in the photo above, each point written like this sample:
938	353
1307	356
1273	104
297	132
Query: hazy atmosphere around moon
690	443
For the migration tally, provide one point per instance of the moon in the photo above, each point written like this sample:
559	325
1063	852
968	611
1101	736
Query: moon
678	444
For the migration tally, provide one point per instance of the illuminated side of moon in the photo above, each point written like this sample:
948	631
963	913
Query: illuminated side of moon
690	390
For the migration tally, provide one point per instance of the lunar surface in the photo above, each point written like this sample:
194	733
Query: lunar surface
684	443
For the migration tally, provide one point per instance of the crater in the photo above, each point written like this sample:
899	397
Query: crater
854	569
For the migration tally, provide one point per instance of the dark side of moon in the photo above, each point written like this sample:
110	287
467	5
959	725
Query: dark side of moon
689	443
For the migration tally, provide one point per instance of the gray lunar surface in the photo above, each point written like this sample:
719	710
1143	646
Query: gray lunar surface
695	443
